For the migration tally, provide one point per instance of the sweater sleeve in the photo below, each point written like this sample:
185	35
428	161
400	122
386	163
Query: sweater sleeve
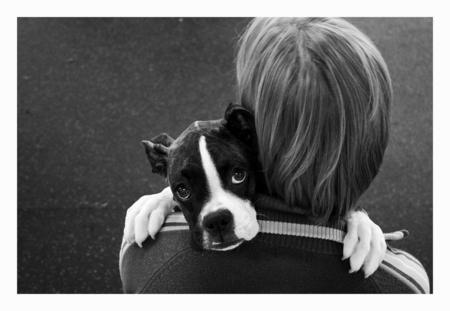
138	265
401	271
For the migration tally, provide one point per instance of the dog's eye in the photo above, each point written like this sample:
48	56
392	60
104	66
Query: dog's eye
183	192
238	176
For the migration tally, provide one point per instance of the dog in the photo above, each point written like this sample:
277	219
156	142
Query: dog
212	169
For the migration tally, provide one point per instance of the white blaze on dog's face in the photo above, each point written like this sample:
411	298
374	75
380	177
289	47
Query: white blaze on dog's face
242	215
212	171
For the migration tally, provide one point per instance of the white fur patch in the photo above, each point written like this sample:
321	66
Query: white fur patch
246	225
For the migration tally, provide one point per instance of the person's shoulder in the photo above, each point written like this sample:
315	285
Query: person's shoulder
401	272
137	265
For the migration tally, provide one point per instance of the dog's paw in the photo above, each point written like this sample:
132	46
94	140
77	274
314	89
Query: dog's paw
156	220
146	216
364	243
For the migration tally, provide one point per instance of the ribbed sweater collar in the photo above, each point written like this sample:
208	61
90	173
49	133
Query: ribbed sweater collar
283	226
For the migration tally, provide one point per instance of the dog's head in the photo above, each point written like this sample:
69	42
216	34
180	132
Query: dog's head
211	169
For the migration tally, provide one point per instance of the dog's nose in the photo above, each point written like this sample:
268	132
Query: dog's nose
218	222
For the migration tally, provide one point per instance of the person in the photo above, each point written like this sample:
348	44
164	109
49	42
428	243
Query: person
320	93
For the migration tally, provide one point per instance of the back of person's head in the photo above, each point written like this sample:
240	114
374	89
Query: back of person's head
321	94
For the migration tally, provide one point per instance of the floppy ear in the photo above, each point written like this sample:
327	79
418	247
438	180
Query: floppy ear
241	123
157	150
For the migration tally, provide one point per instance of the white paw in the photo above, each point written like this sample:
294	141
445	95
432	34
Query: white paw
146	216
364	243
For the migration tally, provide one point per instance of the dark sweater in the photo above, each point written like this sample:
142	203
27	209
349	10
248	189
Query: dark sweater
287	256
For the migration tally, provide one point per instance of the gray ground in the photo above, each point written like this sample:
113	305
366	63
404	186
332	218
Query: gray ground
89	90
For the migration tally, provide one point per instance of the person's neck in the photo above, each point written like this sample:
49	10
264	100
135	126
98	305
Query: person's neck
272	208
282	225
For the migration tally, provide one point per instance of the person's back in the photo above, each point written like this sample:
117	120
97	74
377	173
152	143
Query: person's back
287	256
321	94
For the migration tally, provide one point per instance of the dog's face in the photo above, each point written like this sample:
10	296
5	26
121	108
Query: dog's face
211	169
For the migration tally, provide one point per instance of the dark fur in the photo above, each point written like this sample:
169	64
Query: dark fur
231	141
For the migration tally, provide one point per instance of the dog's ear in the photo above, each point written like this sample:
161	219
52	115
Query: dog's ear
241	123
157	150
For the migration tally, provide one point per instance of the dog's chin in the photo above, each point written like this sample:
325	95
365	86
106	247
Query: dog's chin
225	246
228	241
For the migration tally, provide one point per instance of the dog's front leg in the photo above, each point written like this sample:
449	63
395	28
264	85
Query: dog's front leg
364	243
146	216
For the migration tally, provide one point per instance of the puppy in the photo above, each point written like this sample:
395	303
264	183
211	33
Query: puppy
211	169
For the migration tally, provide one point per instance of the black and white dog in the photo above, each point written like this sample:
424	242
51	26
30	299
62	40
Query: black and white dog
212	170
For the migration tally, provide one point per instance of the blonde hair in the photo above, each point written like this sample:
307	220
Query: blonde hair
321	95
